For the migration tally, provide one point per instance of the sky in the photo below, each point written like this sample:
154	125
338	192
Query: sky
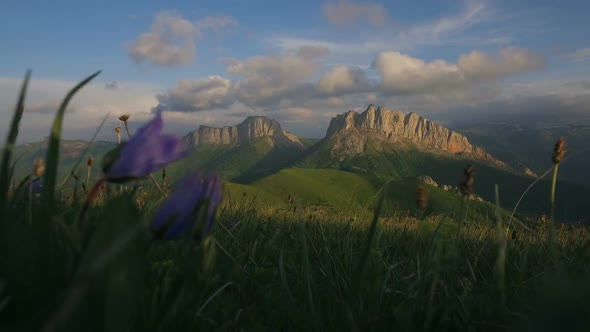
300	62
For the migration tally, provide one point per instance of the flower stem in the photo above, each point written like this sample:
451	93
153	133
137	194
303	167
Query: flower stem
127	129
552	240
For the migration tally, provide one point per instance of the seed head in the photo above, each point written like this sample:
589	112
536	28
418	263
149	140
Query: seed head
90	161
466	185
421	197
124	117
38	167
118	130
558	151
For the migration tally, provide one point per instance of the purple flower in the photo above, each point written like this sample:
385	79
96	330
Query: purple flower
147	151
35	186
185	207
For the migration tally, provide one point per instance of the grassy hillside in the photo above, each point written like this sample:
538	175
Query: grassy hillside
341	192
388	161
243	163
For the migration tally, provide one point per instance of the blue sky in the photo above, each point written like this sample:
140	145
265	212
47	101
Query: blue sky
301	62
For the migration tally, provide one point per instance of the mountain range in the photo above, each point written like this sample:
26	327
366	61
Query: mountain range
358	150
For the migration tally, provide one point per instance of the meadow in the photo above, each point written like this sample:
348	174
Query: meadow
128	253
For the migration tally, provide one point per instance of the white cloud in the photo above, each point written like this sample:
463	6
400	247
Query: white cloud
171	40
403	74
579	55
511	60
86	109
268	79
197	95
343	79
343	13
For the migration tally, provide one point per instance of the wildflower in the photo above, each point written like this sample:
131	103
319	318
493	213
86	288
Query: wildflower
35	186
558	151
90	161
466	185
421	198
195	201
147	151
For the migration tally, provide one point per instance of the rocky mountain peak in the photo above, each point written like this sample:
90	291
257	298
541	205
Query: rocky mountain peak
394	126
251	128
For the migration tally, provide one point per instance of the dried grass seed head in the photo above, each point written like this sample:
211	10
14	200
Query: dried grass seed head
558	151
421	197
466	185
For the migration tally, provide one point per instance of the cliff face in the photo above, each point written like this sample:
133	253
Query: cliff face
394	126
253	127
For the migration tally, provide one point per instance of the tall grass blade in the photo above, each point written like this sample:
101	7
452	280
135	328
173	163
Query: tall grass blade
368	243
10	142
501	258
49	180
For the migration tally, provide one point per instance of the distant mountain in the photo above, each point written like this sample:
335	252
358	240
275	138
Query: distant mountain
70	152
352	131
252	128
531	144
382	141
242	153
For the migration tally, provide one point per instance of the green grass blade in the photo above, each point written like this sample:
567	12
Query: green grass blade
10	141
368	243
49	179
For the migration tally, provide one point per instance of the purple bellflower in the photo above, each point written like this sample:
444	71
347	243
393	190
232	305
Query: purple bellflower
35	186
186	206
148	150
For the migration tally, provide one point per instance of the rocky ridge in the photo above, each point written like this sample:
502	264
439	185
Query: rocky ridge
251	128
394	126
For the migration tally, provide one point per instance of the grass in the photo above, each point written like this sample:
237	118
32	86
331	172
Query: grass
273	265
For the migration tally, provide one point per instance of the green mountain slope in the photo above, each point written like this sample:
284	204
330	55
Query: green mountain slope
386	160
334	190
241	163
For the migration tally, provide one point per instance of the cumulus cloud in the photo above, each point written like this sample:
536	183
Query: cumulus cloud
404	74
511	60
268	79
344	13
343	79
171	39
196	95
